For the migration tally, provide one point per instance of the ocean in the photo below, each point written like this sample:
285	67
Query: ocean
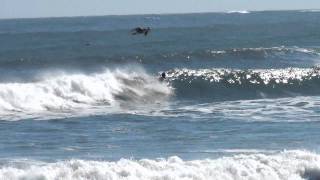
81	98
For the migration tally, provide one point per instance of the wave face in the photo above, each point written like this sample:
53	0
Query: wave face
63	93
284	165
228	84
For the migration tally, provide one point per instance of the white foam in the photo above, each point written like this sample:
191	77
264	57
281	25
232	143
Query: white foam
60	94
240	12
285	165
238	151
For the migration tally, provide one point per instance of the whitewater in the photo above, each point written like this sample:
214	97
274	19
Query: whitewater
81	98
284	165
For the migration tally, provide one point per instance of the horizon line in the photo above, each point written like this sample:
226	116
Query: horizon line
178	13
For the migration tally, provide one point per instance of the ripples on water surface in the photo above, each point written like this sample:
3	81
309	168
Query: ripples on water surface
80	97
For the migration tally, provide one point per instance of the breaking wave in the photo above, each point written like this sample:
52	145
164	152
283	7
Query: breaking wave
59	95
72	93
285	165
230	84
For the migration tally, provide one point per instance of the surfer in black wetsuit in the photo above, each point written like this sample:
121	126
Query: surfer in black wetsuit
162	77
140	30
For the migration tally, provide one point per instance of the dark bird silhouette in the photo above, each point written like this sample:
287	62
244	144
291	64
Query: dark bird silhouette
140	30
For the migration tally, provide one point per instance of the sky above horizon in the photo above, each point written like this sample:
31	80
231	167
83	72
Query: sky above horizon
61	8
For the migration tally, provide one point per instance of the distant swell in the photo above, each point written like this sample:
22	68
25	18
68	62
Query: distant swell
229	84
265	51
281	166
282	52
234	57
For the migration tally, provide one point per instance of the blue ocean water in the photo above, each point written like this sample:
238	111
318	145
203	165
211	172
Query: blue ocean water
80	98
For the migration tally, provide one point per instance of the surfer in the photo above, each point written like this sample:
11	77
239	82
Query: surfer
140	30
162	77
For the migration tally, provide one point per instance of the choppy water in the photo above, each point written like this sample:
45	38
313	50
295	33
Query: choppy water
80	97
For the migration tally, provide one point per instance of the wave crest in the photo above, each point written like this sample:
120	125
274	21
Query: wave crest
264	77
